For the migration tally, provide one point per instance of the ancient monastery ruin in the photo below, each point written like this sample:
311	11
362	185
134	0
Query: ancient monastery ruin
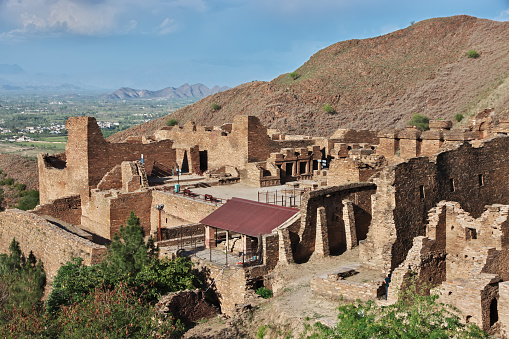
431	205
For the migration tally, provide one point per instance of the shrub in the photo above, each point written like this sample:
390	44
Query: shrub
328	108
29	200
264	292
420	121
294	75
414	315
7	181
116	313
458	117
172	122
473	54
215	107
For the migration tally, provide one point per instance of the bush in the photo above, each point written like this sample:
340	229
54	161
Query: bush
294	75
473	54
458	117
7	181
264	292
328	108
116	313
420	121
29	200
414	315
172	122
215	107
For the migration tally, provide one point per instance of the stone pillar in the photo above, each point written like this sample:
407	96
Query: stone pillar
295	169
503	308
322	233
210	237
349	221
285	247
246	246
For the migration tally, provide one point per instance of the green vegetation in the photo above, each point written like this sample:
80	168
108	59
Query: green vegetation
413	316
420	121
458	117
172	122
294	75
264	292
215	107
328	109
114	299
262	331
29	199
22	282
472	54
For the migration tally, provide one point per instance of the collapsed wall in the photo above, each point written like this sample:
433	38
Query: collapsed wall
472	176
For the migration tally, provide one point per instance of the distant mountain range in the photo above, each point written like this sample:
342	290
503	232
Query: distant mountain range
184	91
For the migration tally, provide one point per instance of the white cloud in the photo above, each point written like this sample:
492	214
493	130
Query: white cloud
167	26
78	17
503	16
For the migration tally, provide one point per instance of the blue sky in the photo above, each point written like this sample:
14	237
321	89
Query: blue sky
158	43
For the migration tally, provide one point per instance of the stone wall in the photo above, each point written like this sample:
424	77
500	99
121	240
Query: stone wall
53	245
89	157
339	289
67	209
105	211
472	176
303	241
178	210
229	284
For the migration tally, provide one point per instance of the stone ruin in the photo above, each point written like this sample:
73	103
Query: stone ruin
428	205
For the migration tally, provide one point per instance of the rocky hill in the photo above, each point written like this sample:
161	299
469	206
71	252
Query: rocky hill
374	83
184	91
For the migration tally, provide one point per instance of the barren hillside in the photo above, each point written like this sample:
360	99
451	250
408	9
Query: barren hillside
374	83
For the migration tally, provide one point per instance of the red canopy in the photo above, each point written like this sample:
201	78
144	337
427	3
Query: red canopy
249	217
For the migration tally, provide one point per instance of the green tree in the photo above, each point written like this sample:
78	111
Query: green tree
22	282
458	117
128	252
160	277
420	121
215	107
172	122
73	283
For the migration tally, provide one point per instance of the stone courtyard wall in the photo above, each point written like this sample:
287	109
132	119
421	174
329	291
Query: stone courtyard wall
49	243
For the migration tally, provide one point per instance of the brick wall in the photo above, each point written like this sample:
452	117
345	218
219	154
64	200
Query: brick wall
105	211
67	209
89	157
472	176
53	245
303	241
178	210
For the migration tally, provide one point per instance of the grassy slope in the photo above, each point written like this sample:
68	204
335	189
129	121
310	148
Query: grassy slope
374	83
